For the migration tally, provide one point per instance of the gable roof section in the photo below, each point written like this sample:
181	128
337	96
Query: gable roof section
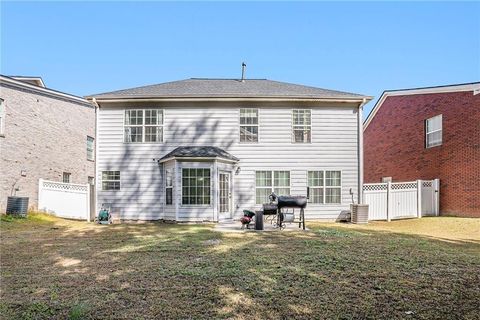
473	86
199	152
10	82
227	88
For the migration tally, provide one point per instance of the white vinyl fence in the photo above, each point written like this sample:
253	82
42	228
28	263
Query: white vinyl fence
396	200
65	200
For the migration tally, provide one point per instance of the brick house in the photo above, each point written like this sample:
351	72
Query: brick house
428	133
43	134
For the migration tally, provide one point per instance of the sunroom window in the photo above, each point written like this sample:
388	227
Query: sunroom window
196	186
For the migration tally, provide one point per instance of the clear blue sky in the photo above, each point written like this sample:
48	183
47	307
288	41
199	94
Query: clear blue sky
89	47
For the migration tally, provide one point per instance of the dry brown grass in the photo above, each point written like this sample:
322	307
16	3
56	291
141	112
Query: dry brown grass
53	268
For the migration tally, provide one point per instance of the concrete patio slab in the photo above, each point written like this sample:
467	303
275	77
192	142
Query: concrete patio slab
236	226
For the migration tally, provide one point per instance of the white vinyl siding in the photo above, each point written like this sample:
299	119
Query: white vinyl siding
433	131
325	187
143	125
265	185
248	125
142	194
90	148
196	186
302	125
110	180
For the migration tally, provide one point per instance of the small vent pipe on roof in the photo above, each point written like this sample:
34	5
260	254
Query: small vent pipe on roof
243	71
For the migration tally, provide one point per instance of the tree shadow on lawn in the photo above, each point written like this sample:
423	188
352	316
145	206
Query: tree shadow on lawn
159	270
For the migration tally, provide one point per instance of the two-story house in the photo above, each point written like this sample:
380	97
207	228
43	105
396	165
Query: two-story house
44	134
205	149
429	133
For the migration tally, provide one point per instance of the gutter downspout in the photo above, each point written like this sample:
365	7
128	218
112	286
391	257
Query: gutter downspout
360	150
97	108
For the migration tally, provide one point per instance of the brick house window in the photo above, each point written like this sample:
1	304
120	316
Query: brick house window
433	131
90	148
66	177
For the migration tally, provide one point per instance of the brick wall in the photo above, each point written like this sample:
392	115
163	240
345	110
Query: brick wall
44	136
394	146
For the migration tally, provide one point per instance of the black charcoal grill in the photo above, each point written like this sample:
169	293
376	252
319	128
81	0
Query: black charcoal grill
277	203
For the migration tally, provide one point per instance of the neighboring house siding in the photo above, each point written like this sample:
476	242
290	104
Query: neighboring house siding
44	136
333	147
394	146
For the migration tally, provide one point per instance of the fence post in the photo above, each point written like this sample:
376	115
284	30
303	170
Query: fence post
419	198
436	191
40	187
389	202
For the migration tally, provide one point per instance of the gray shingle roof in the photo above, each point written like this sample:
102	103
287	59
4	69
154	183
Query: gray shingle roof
226	88
199	152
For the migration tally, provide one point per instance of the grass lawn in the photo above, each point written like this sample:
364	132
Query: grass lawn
414	269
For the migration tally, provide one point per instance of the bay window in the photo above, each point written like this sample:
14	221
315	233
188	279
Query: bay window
196	186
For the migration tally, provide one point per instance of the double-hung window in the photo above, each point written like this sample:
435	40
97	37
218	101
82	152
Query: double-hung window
267	182
143	125
110	180
90	148
325	186
433	131
168	187
248	125
196	186
2	117
302	125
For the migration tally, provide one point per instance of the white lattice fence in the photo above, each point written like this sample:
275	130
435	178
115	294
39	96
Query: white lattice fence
401	199
66	200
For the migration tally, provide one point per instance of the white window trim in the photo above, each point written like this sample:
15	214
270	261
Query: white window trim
93	149
181	189
2	118
272	188
110	180
293	126
434	131
143	125
240	125
325	187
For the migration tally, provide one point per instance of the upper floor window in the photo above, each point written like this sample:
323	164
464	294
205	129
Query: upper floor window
2	117
433	131
267	182
90	148
110	180
143	125
302	125
66	177
248	125
325	186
